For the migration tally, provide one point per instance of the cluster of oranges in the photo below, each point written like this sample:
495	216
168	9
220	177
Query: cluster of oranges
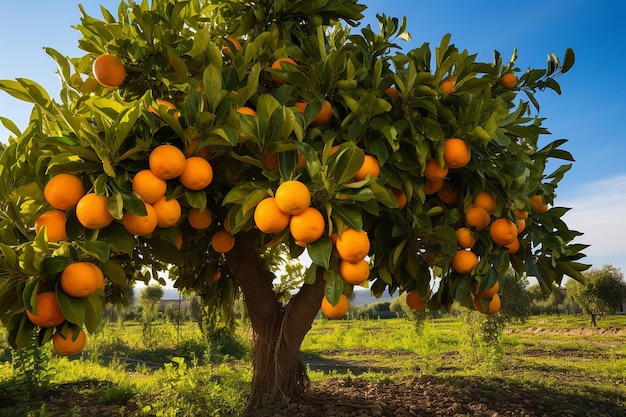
78	280
456	154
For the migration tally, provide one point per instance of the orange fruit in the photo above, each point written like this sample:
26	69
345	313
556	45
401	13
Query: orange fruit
141	225
508	80
226	47
492	308
293	197
464	261
277	65
401	198
520	214
169	105
353	245
216	275
433	171
308	226
323	117
168	212
49	312
179	241
456	153
392	92
370	167
538	205
200	219
222	241
503	231
415	301
109	70
55	222
167	161
81	279
354	273
513	247
269	218
65	346
521	225
465	238
149	187
92	211
193	150
271	162
63	191
447	193
197	174
487	293
246	110
485	200
447	85
477	217
336	311
433	186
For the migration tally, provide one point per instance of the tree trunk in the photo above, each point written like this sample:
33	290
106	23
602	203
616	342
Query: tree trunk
279	374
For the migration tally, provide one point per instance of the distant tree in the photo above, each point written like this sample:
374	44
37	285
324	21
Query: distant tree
546	303
515	297
149	299
602	292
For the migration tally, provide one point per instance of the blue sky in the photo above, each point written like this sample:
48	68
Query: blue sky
588	113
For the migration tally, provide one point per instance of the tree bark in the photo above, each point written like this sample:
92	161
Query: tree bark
279	374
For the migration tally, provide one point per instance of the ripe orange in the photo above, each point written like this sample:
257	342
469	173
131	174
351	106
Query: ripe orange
81	279
269	218
433	186
487	293
485	200
141	225
271	161
197	174
465	238
464	261
109	71
49	313
503	231
447	193
447	85
353	245
337	311
216	275
168	212
179	241
354	273
92	211
246	110
521	225
323	117
167	161
401	198
200	219
456	153
55	222
477	217
370	167
492	308
392	92
520	214
513	247
65	346
192	149
508	80
415	301
433	171
226	47
149	187
538	205
222	241
293	197
277	65
308	226
63	191
170	106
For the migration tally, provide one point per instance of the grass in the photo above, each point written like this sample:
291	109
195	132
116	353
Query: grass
183	373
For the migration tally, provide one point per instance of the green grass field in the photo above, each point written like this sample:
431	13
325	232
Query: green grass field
181	374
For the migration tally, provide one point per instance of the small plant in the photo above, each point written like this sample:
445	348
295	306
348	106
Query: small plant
31	367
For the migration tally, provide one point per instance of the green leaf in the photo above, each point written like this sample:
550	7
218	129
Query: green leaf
310	275
177	63
93	311
320	251
73	308
348	164
333	287
114	271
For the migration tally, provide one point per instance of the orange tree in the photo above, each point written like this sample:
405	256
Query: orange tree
383	154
